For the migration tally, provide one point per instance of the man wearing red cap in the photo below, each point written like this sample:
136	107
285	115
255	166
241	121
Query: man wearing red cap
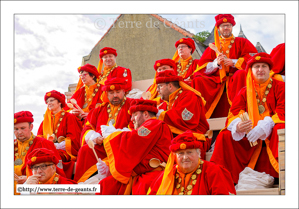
25	143
186	65
264	100
185	109
113	111
41	164
187	174
130	153
62	128
159	66
219	77
108	58
88	92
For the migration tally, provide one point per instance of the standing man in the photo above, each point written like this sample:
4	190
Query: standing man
129	153
185	109
25	143
187	174
264	100
114	110
219	77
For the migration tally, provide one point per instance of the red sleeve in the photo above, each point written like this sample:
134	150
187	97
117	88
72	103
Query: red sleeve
278	58
279	93
40	131
156	184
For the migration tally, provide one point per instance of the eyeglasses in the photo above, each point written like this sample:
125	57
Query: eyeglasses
182	47
226	26
42	167
83	75
51	100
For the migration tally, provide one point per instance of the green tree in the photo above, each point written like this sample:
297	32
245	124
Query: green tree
202	36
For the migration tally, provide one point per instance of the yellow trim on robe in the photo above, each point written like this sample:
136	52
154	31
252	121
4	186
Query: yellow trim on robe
239	63
88	173
68	148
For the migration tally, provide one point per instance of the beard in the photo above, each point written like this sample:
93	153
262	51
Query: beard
116	101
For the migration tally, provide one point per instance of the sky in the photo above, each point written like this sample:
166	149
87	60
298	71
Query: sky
49	48
42	45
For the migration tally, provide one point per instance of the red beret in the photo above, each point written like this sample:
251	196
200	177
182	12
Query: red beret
114	83
89	68
143	105
167	76
161	62
56	95
107	50
183	141
188	41
259	57
23	116
41	155
224	18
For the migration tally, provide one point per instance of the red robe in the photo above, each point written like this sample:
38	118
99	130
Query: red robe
86	162
71	129
236	155
213	180
212	88
278	58
178	116
121	72
129	154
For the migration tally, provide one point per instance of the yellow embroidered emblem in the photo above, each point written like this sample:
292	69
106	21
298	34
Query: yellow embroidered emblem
33	159
49	94
112	87
257	58
79	68
105	52
224	20
158	64
142	131
183	146
15	120
186	114
181	40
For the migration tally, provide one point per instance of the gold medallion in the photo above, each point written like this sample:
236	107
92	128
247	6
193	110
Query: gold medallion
198	171
189	187
109	111
201	162
31	142
180	91
194	182
56	178
23	153
178	186
193	176
60	119
232	41
177	176
16	149
176	97
181	193
18	161
63	113
266	92
110	115
16	154
85	105
269	85
180	180
113	121
27	148
229	46
182	189
96	90
189	192
98	85
261	109
264	100
89	99
116	114
227	51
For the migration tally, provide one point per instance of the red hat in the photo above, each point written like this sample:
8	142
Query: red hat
224	18
183	141
188	41
41	155
143	105
56	95
114	83
259	57
89	68
161	62
167	76
107	50
23	116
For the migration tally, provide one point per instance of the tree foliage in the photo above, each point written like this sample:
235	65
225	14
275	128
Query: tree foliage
202	36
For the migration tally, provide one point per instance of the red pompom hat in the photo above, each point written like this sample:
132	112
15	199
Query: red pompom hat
187	41
107	50
224	18
183	141
114	84
167	76
143	105
23	116
259	57
89	68
41	155
169	62
56	95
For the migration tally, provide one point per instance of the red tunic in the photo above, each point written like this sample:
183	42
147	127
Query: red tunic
236	155
86	162
213	180
129	154
71	129
63	180
211	86
187	113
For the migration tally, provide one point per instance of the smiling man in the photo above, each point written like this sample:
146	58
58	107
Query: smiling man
187	174
264	100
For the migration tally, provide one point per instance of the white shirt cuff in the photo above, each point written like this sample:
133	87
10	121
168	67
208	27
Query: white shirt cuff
237	136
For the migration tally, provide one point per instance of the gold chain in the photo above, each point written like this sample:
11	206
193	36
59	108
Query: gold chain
181	73
260	104
229	46
92	95
60	119
19	161
118	109
105	76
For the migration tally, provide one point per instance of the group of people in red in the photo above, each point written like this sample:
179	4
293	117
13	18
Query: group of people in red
157	144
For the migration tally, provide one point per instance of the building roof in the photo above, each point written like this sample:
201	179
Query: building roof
210	38
241	33
259	47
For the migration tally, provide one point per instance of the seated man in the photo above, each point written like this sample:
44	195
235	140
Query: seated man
187	174
88	92
185	109
129	152
62	128
114	109
159	66
220	77
25	143
41	165
264	100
